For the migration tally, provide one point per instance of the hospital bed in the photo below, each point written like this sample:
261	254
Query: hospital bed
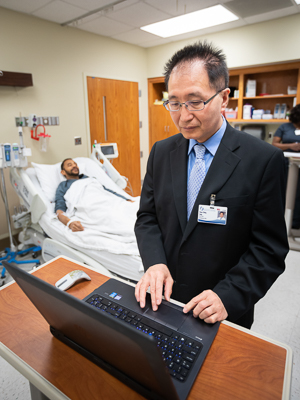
36	186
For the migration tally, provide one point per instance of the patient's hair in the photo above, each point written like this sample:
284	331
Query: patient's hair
63	163
213	59
295	115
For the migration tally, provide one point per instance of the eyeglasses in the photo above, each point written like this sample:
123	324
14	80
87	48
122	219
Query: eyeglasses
190	105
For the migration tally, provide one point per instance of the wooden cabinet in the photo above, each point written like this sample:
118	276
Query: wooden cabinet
161	125
272	83
272	79
8	78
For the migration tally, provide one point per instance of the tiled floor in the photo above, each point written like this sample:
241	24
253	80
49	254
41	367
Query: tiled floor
277	316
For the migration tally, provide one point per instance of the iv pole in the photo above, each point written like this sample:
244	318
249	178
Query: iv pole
11	252
12	246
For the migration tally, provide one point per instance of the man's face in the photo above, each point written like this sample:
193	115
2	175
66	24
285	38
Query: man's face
189	81
70	170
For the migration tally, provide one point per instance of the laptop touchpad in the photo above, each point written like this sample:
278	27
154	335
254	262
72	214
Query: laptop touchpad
167	316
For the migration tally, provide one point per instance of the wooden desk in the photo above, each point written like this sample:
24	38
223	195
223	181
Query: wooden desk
239	365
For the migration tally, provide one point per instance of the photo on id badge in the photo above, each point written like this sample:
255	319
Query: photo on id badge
212	215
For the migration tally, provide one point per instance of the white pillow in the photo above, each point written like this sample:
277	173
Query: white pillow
49	177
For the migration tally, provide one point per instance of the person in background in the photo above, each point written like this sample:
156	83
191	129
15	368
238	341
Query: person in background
70	170
218	270
287	138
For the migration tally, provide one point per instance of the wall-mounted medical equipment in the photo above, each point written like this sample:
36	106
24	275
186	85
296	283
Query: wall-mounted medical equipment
98	155
42	137
14	156
33	120
110	150
34	123
44	141
7	155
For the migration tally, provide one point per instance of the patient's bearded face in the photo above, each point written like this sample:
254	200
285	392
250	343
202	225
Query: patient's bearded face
71	169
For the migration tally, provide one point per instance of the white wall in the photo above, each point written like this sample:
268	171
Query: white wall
262	43
59	58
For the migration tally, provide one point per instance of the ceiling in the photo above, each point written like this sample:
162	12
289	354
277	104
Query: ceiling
121	19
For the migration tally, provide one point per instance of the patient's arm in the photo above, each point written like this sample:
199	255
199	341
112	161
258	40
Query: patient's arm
75	226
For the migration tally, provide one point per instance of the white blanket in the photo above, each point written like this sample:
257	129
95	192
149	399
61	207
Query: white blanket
108	220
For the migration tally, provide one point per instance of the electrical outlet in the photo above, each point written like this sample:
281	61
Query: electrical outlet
77	140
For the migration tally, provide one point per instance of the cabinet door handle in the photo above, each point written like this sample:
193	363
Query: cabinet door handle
104	118
165	128
168	129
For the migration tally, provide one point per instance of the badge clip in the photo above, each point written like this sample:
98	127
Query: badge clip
212	199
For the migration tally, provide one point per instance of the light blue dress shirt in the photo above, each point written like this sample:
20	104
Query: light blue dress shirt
211	146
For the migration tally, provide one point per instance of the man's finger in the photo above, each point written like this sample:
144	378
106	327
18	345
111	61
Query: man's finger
142	292
154	291
137	291
211	319
168	288
192	303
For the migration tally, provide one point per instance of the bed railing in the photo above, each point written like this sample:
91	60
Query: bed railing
28	193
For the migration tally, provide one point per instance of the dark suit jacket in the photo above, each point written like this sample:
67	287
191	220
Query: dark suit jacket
238	261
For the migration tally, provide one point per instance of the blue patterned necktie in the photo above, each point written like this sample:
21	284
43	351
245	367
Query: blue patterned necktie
196	178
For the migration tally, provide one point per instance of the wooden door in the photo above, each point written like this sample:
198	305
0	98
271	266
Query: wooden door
114	118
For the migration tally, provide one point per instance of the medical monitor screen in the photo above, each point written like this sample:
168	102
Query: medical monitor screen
107	150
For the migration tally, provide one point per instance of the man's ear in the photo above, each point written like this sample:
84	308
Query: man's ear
63	172
225	100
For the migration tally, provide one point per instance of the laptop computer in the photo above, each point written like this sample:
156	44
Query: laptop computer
158	354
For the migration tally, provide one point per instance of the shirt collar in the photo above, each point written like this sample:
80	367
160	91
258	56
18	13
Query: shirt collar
213	142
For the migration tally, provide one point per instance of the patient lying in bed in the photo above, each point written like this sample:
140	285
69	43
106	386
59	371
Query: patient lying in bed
105	219
70	170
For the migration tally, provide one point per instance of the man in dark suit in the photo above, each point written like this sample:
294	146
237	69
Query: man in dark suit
219	270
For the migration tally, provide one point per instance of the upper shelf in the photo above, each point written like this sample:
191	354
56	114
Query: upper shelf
271	96
257	121
8	78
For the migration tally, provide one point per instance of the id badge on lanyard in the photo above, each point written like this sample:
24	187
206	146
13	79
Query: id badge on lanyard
211	214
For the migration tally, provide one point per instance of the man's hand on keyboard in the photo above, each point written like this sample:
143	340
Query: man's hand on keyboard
207	306
156	277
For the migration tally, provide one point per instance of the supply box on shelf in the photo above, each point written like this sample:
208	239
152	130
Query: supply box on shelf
251	88
231	114
247	111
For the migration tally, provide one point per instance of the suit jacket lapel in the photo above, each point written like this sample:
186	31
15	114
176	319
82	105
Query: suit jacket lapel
222	166
178	159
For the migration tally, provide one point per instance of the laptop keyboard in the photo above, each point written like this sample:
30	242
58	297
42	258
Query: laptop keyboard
179	352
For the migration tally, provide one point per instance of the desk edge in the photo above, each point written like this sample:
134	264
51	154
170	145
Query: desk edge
288	362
